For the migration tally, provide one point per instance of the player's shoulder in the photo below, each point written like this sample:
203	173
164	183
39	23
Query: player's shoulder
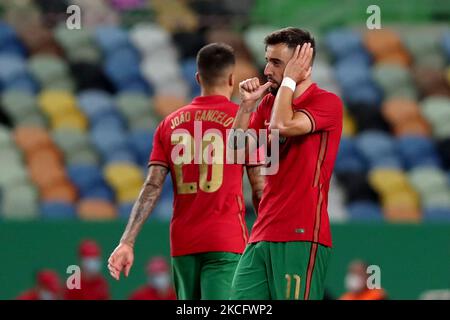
322	94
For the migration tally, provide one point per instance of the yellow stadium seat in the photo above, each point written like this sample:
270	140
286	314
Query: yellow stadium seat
349	125
388	180
55	103
71	120
121	176
406	199
129	194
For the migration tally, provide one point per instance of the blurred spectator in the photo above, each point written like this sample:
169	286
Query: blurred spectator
93	285
159	286
356	284
48	287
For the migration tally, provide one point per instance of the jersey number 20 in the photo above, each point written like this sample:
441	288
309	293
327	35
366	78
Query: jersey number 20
209	140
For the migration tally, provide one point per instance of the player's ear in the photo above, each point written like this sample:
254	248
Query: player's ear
231	80
197	77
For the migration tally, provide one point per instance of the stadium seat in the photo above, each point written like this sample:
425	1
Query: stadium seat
20	202
99	191
149	38
141	143
50	72
356	186
365	210
124	210
56	103
92	209
85	176
9	41
378	148
5	137
401	215
62	191
431	81
342	42
349	159
122	176
94	102
388	181
71	120
418	151
57	210
395	80
32	138
386	46
254	39
85	155
70	140
428	180
165	105
12	174
399	110
18	104
417	127
436	214
111	38
129	194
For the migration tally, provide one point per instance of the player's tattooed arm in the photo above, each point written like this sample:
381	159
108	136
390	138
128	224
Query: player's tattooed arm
145	203
257	182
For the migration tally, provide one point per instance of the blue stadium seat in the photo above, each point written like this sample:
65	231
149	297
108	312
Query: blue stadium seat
446	44
366	94
58	210
188	69
349	159
115	62
108	139
342	42
11	67
418	151
378	148
120	155
365	211
9	42
85	176
111	38
93	102
99	191
125	210
108	120
141	141
137	84
437	214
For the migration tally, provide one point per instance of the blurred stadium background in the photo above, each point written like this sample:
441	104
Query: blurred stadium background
78	109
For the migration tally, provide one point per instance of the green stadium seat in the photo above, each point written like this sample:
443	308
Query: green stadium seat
5	137
85	155
18	103
20	202
395	80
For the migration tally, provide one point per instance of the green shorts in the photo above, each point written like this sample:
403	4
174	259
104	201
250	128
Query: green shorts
281	271
205	276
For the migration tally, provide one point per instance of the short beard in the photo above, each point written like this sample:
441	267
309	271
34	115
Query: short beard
273	91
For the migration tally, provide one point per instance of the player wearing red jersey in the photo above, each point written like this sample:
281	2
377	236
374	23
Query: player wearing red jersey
290	244
208	232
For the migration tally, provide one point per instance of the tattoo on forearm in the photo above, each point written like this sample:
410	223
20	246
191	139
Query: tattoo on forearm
145	203
257	183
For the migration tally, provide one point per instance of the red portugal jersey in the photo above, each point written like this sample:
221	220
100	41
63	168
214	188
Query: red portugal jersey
208	208
294	202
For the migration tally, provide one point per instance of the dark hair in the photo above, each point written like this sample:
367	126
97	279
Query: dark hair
212	60
292	37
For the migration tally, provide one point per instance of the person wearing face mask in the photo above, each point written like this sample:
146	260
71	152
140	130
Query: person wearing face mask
356	284
159	284
48	287
93	284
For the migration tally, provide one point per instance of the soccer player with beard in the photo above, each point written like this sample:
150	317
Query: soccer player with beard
290	243
208	232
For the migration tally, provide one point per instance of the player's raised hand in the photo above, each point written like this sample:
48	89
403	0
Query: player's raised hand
299	67
121	260
251	90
